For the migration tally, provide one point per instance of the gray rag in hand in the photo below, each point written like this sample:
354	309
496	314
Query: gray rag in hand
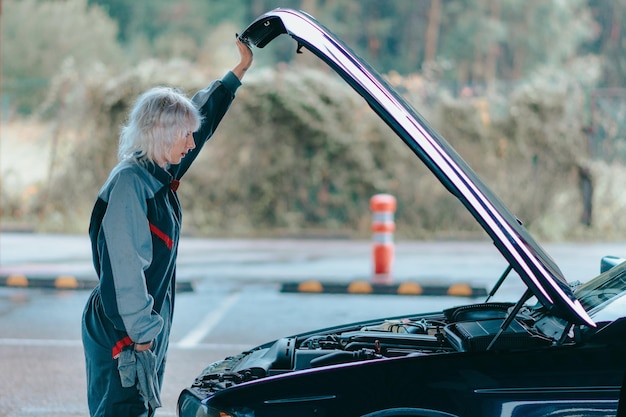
140	367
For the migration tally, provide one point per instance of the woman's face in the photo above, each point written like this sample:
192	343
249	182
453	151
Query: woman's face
180	148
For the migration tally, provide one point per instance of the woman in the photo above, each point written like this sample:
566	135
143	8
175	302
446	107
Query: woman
134	231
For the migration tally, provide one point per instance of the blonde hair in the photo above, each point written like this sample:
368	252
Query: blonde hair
160	116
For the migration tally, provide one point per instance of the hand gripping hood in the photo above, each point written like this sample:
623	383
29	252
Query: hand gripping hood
536	268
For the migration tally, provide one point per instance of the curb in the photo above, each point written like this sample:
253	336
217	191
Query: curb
64	282
460	289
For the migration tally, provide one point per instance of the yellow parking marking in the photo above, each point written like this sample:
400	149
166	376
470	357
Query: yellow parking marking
310	286
17	281
460	290
360	287
66	281
407	288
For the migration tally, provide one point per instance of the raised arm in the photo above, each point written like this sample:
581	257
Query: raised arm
246	59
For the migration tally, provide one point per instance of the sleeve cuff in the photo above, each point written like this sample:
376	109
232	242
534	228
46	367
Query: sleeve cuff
231	82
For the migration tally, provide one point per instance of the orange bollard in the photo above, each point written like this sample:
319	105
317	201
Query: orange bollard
383	207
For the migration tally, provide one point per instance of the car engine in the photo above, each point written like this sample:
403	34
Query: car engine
465	328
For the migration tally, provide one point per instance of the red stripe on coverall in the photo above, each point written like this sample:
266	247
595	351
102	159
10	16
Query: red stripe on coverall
165	238
121	344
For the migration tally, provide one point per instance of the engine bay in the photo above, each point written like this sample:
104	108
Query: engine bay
461	329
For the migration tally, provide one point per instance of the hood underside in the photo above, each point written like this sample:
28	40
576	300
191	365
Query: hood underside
536	268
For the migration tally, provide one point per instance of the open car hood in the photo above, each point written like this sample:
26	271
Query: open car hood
537	269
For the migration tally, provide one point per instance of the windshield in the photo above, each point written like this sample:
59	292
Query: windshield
604	296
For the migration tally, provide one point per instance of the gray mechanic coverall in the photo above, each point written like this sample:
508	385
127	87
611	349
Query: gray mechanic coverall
134	232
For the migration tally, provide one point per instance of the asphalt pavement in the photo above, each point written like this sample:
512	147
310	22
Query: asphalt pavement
309	265
235	302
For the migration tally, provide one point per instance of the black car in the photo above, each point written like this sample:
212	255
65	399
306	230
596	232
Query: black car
559	350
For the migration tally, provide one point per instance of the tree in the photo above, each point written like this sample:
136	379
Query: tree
38	36
507	39
553	33
609	39
157	18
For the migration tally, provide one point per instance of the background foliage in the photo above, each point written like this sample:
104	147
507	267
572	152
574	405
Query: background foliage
464	42
518	88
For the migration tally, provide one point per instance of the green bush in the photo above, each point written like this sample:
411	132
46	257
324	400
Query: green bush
39	37
301	153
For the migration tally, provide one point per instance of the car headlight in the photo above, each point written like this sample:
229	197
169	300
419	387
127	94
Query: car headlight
190	406
237	413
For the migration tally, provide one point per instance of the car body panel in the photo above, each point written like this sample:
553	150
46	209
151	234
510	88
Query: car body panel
535	382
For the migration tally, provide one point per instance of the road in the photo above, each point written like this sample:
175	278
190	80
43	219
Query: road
236	303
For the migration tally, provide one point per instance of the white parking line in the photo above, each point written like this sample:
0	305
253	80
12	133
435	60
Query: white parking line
52	343
234	347
190	341
41	342
193	338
